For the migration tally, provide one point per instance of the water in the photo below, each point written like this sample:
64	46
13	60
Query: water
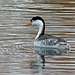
17	54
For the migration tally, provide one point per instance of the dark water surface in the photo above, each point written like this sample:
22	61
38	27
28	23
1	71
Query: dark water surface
17	54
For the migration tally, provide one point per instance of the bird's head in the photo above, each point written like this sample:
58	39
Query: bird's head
36	21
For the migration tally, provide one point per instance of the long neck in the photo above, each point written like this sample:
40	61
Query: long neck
41	31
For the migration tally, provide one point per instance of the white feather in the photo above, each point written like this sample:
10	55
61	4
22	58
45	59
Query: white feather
38	23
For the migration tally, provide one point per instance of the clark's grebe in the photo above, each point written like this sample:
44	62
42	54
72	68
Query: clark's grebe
44	40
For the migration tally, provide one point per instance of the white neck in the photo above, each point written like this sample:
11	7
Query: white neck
39	32
40	26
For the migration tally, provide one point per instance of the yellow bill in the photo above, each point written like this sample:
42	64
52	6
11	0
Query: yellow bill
27	24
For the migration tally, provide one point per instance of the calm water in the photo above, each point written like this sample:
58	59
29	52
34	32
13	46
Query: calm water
17	54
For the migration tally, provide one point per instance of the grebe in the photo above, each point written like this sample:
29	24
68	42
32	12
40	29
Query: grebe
43	40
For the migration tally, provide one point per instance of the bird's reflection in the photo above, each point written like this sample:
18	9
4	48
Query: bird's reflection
37	65
42	52
49	51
